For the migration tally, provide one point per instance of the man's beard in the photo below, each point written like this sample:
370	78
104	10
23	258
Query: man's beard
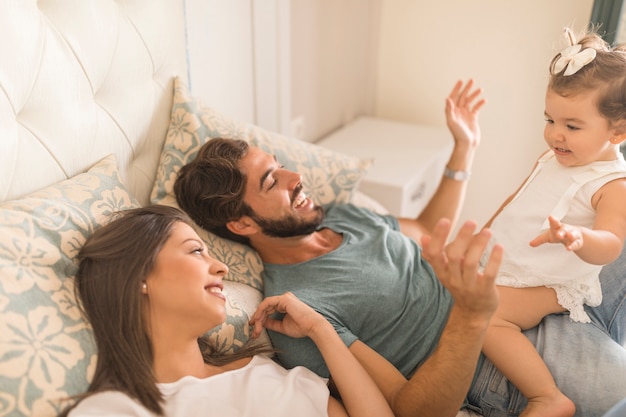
290	225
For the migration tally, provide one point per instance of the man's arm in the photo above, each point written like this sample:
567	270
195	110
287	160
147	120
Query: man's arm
440	385
462	107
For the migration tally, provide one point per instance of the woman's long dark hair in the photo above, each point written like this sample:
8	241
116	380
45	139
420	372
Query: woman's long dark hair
114	262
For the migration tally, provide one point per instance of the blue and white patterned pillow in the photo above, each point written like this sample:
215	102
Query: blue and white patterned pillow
47	351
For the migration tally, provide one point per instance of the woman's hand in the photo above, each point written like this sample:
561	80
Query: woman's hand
351	379
299	320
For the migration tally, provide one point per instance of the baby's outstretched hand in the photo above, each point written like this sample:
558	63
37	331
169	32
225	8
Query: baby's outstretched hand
570	236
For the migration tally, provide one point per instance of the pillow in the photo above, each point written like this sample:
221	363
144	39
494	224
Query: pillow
46	348
329	177
242	301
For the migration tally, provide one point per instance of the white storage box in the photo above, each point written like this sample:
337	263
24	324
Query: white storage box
408	159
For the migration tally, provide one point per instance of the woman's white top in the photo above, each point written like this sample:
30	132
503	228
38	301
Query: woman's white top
262	388
565	193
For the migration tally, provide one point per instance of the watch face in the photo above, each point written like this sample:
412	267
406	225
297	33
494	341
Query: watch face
456	175
460	175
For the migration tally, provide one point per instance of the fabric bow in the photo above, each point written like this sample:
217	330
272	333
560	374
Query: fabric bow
573	59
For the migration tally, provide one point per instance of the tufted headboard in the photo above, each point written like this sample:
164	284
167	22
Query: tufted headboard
81	79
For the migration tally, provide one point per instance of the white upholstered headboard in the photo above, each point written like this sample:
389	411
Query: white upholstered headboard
81	79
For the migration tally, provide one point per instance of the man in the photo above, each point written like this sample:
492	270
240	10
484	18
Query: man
369	277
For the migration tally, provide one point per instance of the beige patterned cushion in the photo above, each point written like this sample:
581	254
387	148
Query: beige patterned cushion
46	348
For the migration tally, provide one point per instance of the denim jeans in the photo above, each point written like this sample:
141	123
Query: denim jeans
618	411
588	361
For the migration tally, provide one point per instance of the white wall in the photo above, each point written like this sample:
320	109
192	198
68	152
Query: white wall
240	59
298	67
333	63
275	62
424	47
219	42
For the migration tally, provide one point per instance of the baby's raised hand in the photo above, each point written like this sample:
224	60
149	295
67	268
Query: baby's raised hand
570	236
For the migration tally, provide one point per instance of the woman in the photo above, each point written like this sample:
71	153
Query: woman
150	291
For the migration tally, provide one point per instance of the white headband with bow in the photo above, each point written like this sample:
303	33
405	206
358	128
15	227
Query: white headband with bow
572	59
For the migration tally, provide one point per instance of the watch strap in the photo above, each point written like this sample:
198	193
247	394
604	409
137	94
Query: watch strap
456	175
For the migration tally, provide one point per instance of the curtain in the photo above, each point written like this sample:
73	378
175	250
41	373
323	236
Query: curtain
606	16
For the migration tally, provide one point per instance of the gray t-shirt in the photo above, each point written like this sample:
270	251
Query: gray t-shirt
375	287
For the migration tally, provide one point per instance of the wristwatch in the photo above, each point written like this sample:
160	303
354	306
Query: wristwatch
456	175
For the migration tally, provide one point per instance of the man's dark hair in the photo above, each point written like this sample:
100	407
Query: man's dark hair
211	187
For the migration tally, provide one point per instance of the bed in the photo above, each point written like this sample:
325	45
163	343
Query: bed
95	117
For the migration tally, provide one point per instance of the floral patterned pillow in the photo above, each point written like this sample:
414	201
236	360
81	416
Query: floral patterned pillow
46	348
329	177
242	301
47	351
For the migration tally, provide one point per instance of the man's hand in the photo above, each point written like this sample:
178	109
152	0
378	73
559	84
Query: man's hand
439	386
457	266
462	107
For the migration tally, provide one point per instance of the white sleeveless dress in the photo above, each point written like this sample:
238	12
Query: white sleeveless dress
565	193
